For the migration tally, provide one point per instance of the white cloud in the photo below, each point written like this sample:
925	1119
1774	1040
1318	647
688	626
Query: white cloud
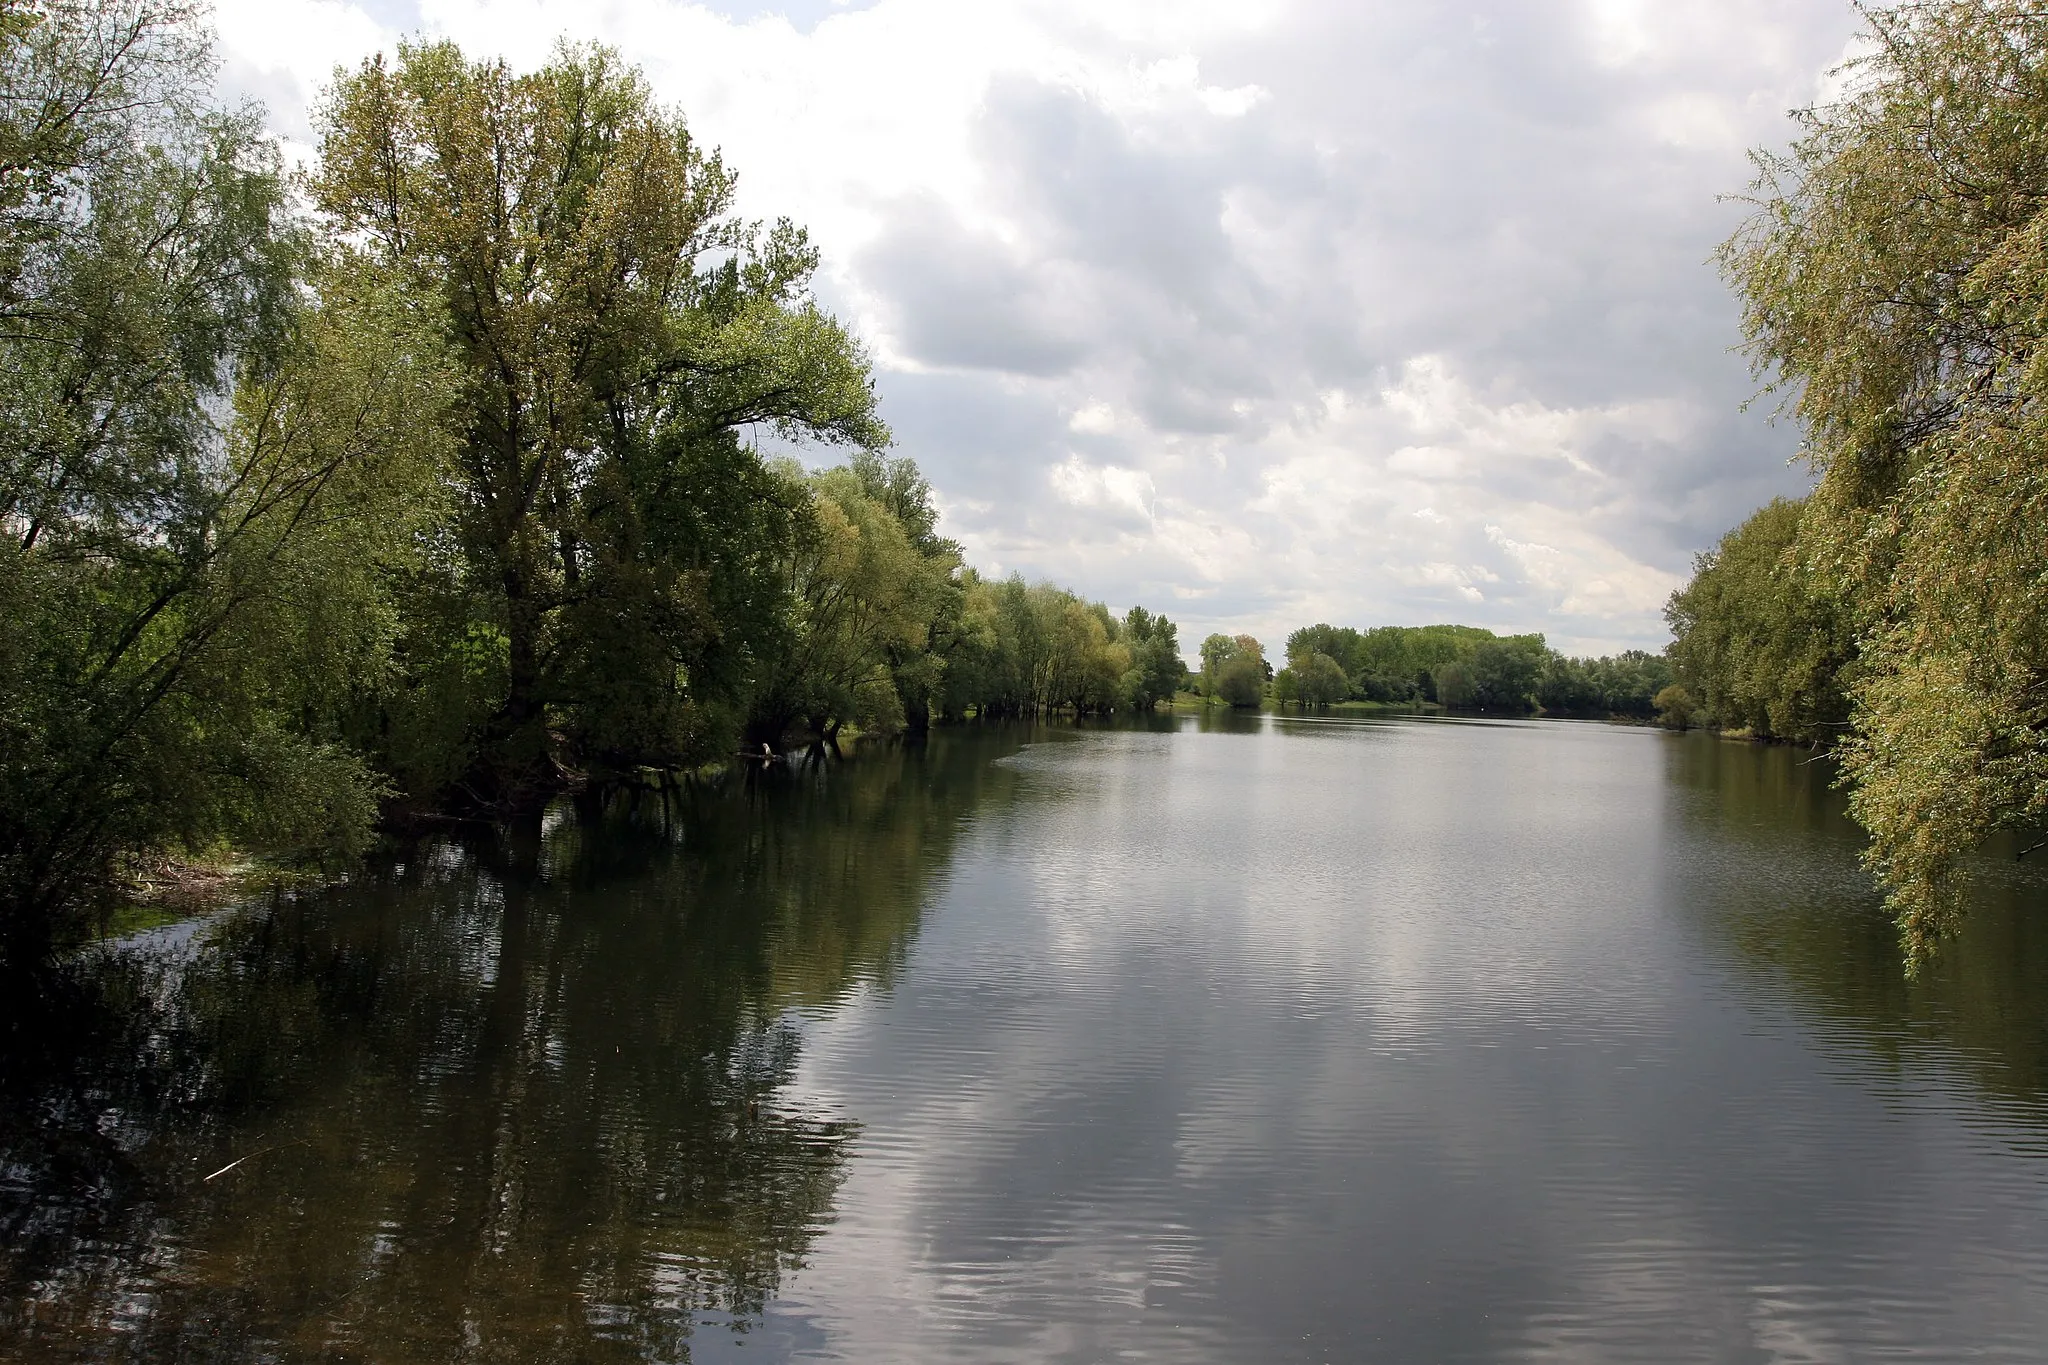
1106	487
1271	311
1097	418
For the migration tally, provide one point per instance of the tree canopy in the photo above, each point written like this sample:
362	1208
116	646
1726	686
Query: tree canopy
1758	640
205	473
1894	283
1463	668
615	330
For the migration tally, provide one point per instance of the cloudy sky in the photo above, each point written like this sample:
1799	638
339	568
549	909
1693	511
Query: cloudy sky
1260	313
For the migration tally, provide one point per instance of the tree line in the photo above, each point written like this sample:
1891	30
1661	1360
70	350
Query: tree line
1463	668
428	478
1893	278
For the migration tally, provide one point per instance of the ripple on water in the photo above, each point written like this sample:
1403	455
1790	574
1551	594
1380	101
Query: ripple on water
1304	1040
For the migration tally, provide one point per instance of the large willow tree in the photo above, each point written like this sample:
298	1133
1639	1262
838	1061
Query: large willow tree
1895	278
616	331
209	454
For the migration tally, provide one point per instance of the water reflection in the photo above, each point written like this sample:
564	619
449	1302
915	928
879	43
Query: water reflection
1767	859
519	1098
1224	1038
1330	1039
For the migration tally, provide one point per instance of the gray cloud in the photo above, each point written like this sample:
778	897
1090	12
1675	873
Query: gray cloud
1483	186
1370	312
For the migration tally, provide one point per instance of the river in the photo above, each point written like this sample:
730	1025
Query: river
1215	1039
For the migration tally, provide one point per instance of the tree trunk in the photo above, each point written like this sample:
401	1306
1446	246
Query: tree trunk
517	770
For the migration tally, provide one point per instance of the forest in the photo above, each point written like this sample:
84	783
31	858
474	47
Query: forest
428	481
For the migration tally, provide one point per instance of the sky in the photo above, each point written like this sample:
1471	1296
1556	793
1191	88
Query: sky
1255	313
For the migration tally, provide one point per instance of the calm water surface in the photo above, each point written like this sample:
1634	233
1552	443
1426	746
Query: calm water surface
1224	1040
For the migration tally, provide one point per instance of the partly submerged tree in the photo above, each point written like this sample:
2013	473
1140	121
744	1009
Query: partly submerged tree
616	330
1319	679
1154	642
207	464
1894	278
862	600
916	669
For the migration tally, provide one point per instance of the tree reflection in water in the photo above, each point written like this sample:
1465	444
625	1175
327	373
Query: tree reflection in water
511	1098
1769	855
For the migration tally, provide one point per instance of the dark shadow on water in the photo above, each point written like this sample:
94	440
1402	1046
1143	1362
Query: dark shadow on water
1229	720
519	1096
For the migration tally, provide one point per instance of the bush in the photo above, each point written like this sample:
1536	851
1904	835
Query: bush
1675	708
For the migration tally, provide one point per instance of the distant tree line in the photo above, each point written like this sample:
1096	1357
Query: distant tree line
426	480
1464	668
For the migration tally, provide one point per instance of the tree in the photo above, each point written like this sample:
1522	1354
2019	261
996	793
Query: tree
1320	680
862	597
1894	277
1453	685
1624	684
1217	650
897	484
209	461
1758	639
1248	647
1154	642
615	329
1017	649
1504	673
1340	643
1675	707
1234	668
1242	680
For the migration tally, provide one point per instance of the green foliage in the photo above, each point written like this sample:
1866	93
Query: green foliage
1242	680
1340	644
1758	639
1219	653
211	462
862	599
1466	667
1624	684
1029	649
1453	685
1404	663
915	670
1216	651
1320	680
1504	673
1895	279
616	330
1676	707
1154	643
